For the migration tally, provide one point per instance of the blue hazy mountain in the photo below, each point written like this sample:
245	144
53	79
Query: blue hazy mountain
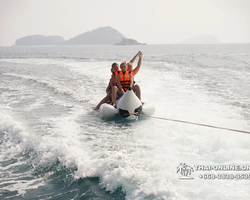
103	35
39	40
203	39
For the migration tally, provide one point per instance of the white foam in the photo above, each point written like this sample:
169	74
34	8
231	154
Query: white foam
21	186
142	157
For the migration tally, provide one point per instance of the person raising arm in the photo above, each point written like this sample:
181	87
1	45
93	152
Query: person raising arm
130	64
113	81
124	79
124	82
136	87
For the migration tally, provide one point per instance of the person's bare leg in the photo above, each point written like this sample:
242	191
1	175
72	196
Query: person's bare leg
104	100
137	91
114	95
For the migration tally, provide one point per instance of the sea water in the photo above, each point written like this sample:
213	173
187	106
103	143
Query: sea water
53	145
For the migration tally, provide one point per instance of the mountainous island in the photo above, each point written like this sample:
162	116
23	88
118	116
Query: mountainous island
126	41
203	39
100	36
40	40
104	35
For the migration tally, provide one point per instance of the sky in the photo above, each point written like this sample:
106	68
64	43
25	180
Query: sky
149	21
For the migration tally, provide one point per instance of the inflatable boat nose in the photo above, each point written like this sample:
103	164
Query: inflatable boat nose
129	104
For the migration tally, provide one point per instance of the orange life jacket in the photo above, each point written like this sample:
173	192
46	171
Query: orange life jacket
125	79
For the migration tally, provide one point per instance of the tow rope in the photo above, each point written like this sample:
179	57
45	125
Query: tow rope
186	122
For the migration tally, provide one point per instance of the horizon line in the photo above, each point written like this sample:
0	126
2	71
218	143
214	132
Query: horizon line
131	45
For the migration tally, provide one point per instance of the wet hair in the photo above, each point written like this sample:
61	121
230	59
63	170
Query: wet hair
124	62
113	65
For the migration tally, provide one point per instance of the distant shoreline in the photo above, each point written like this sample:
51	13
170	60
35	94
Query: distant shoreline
175	44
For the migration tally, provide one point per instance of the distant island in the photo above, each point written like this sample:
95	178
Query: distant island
39	40
103	35
100	36
126	41
203	39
